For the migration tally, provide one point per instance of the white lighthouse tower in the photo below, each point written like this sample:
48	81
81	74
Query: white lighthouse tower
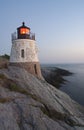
24	51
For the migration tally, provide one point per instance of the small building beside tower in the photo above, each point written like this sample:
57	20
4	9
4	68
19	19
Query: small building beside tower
24	52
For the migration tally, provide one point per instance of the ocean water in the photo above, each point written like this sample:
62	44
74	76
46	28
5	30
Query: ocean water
74	86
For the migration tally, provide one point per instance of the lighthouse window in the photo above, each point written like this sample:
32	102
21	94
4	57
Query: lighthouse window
22	53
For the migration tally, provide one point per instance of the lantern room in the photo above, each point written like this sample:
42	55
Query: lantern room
23	32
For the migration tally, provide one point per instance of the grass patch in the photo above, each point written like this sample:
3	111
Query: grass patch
14	87
11	85
2	76
5	56
3	100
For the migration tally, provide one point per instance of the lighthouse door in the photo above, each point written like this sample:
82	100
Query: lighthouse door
35	69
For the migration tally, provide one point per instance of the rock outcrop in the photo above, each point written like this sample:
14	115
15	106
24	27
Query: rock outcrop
54	75
28	103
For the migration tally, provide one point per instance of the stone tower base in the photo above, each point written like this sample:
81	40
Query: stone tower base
31	67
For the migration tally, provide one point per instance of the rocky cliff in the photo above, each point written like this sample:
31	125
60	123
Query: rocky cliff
28	103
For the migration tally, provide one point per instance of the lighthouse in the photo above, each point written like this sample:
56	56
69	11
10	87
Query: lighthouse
24	51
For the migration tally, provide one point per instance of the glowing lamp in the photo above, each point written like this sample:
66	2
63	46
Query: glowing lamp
24	31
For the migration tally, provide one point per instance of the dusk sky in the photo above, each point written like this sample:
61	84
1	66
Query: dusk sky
58	25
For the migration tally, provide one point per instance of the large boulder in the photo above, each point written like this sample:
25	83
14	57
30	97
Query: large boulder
28	103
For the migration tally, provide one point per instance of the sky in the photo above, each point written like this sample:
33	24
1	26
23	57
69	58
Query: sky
57	24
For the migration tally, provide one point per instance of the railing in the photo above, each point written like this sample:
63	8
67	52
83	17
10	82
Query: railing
30	36
14	36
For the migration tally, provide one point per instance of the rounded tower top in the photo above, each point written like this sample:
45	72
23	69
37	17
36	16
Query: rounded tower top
23	31
23	26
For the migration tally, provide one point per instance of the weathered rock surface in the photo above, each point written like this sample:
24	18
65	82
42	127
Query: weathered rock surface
28	103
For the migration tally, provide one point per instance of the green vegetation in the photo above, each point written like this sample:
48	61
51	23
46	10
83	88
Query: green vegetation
11	85
4	61
14	87
5	56
2	76
3	100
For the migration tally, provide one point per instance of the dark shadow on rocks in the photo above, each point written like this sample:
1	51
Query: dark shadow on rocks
55	75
